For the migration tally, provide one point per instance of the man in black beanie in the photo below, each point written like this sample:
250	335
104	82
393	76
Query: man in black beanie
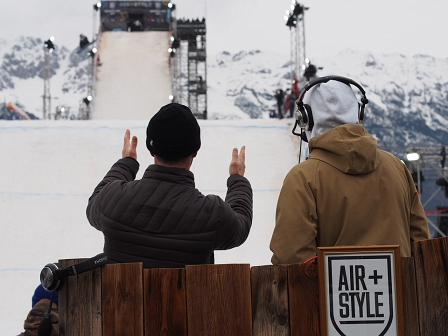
162	220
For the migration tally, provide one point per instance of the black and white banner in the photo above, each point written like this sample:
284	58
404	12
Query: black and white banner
361	294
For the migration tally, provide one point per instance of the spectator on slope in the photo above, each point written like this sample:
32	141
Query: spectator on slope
294	95
162	220
83	41
280	96
310	72
348	192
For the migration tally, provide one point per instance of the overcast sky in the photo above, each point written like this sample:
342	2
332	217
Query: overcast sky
386	26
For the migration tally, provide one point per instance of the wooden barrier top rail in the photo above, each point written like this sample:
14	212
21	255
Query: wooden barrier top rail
235	299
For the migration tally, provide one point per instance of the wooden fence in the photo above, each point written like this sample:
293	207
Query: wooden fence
235	299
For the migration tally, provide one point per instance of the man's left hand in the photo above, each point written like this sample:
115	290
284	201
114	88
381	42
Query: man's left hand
129	147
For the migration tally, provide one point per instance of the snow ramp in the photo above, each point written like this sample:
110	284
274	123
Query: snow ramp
50	168
133	77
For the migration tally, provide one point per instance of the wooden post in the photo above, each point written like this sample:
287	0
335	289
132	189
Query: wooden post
165	302
122	292
270	308
304	299
80	303
218	300
431	269
410	305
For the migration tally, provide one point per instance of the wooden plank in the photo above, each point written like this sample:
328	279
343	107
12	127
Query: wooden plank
431	268
165	303
410	304
303	287
270	308
218	300
80	303
122	292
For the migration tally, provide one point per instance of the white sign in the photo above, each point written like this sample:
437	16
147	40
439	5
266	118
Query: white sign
360	294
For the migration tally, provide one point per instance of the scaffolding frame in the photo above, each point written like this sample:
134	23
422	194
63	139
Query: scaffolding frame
429	161
296	24
189	66
46	110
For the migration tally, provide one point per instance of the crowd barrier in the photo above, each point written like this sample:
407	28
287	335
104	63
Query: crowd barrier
235	299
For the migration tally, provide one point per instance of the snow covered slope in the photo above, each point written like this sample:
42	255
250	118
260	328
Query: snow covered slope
50	168
133	81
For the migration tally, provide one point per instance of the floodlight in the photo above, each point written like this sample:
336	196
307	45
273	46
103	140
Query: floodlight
298	10
97	6
412	156
175	44
171	97
87	100
92	52
292	22
171	6
49	44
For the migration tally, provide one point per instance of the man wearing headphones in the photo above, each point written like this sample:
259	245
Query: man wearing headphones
348	192
162	220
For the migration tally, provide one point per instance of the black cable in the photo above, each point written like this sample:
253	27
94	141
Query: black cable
46	326
300	149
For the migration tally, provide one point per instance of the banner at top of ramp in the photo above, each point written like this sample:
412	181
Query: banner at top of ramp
135	15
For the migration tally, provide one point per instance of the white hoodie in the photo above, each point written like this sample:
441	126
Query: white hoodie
332	104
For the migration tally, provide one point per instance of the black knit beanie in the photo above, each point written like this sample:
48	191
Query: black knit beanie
173	132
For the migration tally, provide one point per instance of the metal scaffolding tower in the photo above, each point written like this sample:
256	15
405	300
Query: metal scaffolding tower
295	20
85	110
189	65
48	49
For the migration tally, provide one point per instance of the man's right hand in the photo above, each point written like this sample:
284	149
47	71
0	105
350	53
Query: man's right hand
238	163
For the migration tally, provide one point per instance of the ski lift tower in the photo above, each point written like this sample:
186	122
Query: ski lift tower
295	20
48	49
190	66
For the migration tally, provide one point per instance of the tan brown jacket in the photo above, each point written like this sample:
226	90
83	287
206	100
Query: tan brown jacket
348	192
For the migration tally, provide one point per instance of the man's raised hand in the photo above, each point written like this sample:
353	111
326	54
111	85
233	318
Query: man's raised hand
129	147
238	163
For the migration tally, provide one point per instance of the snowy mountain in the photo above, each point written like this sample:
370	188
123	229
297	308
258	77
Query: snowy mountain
408	102
21	76
408	95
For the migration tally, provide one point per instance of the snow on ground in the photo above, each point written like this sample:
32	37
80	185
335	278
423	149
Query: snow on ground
50	168
128	85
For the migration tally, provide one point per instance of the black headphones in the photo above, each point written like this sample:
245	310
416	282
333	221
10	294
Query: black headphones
304	115
52	276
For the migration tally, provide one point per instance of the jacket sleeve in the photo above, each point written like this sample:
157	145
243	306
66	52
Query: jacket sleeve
123	170
235	214
294	237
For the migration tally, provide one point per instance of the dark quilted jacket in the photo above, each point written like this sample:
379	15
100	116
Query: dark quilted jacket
162	220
